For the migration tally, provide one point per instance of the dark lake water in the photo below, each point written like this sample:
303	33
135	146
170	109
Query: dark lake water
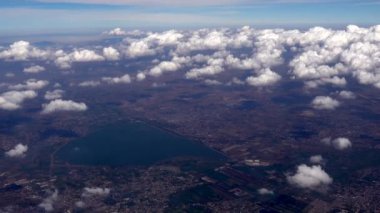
132	143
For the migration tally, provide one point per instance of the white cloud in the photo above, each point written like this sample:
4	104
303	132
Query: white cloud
22	51
140	76
30	84
116	32
237	81
125	79
95	191
340	143
214	67
347	94
138	49
317	56
55	94
265	78
312	177
325	103
85	56
34	69
47	203
18	151
12	100
165	66
265	191
89	84
212	82
316	159
64	60
111	53
63	105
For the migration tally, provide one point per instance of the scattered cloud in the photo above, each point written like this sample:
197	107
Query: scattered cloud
22	51
55	94
165	66
63	105
12	100
125	79
347	94
308	177
18	151
317	56
116	32
340	143
212	82
89	84
140	76
265	78
47	203
34	69
325	103
64	60
30	84
111	53
317	159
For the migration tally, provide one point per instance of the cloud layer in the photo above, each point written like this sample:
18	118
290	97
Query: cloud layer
318	56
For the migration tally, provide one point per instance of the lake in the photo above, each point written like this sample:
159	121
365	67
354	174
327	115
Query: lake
132	143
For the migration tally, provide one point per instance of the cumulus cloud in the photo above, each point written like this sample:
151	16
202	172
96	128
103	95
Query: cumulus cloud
347	94
165	66
214	67
18	151
316	159
324	103
111	53
265	78
125	79
12	100
116	32
22	51
138	49
48	203
63	105
310	177
64	60
55	94
34	69
95	191
340	143
317	56
85	56
30	84
140	76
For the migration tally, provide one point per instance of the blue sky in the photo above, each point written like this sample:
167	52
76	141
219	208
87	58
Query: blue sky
24	16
